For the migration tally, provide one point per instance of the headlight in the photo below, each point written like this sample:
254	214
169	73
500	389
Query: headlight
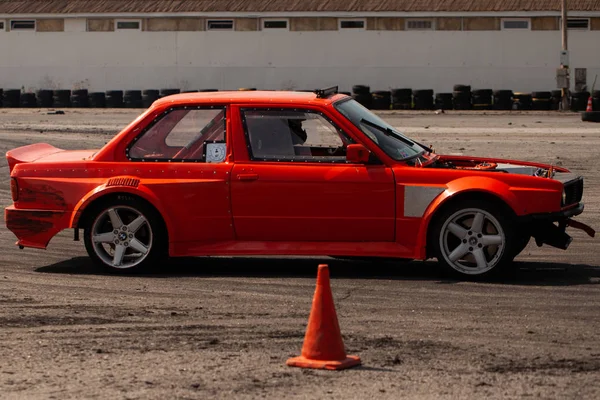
564	198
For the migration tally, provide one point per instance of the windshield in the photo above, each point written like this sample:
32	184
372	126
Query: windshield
394	143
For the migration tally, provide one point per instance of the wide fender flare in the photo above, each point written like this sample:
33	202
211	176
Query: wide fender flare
104	190
472	184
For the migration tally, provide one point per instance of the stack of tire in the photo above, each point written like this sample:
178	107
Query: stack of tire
149	96
596	100
461	97
555	99
61	98
579	100
216	90
481	99
80	99
443	101
97	99
503	100
401	99
11	98
28	100
382	100
542	101
362	94
45	98
169	92
133	99
114	99
423	99
522	101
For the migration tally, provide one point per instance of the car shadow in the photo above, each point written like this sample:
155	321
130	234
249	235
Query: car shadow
526	273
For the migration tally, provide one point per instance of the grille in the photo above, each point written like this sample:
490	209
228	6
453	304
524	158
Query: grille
123	182
574	191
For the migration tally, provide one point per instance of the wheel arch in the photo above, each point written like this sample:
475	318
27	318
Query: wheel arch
499	195
94	199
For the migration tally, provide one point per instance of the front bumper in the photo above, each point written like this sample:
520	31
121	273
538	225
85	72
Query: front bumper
544	230
35	228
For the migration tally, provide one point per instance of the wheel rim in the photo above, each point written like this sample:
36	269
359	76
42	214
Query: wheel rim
472	241
121	237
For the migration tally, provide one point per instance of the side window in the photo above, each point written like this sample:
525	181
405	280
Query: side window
183	134
291	135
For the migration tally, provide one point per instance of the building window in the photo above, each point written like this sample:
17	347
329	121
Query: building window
510	24
419	25
131	25
1	25
578	23
352	24
22	25
275	24
219	25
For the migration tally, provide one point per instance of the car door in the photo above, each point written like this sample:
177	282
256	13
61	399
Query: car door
297	185
183	156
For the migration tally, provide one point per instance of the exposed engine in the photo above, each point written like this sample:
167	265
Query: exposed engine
491	167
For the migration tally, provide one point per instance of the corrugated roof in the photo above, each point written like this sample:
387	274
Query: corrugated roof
158	6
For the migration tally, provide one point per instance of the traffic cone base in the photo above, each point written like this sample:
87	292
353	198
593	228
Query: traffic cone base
304	362
589	107
323	347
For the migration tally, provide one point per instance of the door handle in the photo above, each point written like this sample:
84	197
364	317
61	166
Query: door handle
247	177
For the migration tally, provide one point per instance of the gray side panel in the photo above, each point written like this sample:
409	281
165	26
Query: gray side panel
418	198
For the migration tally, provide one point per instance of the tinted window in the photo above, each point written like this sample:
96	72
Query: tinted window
275	24
183	134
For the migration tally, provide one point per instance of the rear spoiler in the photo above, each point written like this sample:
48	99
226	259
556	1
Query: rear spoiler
30	153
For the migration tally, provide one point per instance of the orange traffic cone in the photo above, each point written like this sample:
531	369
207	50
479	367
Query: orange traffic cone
323	346
589	105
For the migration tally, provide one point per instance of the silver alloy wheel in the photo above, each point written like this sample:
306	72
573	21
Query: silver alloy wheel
121	237
472	241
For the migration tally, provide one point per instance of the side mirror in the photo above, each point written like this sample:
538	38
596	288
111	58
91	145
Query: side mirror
357	154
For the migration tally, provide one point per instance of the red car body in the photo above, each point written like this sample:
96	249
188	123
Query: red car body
242	206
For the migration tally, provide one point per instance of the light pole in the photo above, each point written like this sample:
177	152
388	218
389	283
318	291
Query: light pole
565	47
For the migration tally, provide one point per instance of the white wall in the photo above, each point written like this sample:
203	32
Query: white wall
99	61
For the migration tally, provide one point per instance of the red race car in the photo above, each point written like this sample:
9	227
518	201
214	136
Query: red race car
285	173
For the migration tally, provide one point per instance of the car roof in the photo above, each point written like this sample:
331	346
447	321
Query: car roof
249	96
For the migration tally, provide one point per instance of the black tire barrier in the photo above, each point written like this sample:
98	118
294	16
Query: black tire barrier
211	90
443	101
151	92
382	100
169	92
401	99
114	99
361	90
346	93
28	100
61	98
366	100
423	99
97	99
246	89
80	99
462	88
149	96
541	104
11	98
503	93
461	100
590	116
556	99
1	95
45	98
482	92
522	101
133	99
541	95
579	100
502	100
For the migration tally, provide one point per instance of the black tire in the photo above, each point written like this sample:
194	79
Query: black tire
62	98
482	92
541	95
151	92
169	92
28	100
503	93
590	116
45	98
462	88
361	90
152	234
97	99
209	90
365	100
497	225
11	98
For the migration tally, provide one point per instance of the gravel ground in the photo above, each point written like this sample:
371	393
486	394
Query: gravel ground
223	327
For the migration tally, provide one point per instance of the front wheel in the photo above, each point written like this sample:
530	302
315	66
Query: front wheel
124	234
474	239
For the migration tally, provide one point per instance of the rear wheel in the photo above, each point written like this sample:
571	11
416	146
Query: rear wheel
474	239
124	235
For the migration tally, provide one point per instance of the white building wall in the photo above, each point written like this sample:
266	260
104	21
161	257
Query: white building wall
99	61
